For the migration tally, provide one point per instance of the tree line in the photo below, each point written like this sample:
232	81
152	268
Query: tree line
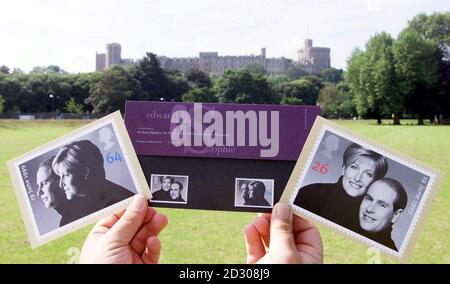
47	89
406	77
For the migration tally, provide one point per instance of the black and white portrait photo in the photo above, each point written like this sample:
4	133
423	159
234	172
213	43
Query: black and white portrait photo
76	178
169	188
253	193
369	192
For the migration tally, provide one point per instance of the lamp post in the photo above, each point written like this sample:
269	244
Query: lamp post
53	104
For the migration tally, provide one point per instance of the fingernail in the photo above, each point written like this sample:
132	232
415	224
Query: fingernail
283	210
138	202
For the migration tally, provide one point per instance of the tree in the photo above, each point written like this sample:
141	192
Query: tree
178	86
256	68
316	81
17	71
4	69
2	104
201	95
73	107
352	78
331	75
435	27
152	78
300	91
296	72
42	92
417	69
113	87
444	87
12	92
199	78
277	80
371	77
335	103
48	69
291	101
244	87
80	86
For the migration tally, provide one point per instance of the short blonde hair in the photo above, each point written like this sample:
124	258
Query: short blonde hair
79	155
355	151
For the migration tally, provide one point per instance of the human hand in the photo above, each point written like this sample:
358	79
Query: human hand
281	237
131	236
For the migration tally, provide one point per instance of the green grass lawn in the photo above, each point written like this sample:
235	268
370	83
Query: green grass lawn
194	236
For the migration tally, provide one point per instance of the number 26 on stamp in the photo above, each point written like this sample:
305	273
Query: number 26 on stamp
319	167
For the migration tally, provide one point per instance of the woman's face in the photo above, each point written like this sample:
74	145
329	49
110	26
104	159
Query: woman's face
166	184
358	175
251	191
70	181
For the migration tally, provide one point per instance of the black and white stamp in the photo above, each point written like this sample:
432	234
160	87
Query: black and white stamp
76	179
361	189
257	193
169	188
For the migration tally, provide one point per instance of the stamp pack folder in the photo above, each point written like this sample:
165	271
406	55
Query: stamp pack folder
215	145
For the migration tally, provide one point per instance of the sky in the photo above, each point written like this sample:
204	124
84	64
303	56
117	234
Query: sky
68	33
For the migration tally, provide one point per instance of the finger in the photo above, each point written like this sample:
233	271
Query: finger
262	225
300	224
266	216
150	213
105	224
109	221
152	251
307	238
155	225
130	222
139	240
254	245
281	234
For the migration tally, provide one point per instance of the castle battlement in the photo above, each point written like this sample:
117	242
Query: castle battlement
312	59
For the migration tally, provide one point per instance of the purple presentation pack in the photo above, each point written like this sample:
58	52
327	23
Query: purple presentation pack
216	145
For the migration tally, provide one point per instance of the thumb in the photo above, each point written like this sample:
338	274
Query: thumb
281	236
130	222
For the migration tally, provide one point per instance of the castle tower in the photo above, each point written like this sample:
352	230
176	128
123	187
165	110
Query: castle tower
263	55
314	59
113	54
100	61
308	43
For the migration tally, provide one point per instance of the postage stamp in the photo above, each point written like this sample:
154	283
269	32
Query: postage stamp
169	188
77	179
256	193
361	189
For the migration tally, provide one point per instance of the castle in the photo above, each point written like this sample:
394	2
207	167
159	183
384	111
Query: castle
311	59
113	56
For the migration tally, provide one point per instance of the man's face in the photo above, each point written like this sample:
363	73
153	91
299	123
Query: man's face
377	208
175	191
244	191
358	176
166	184
48	189
70	181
